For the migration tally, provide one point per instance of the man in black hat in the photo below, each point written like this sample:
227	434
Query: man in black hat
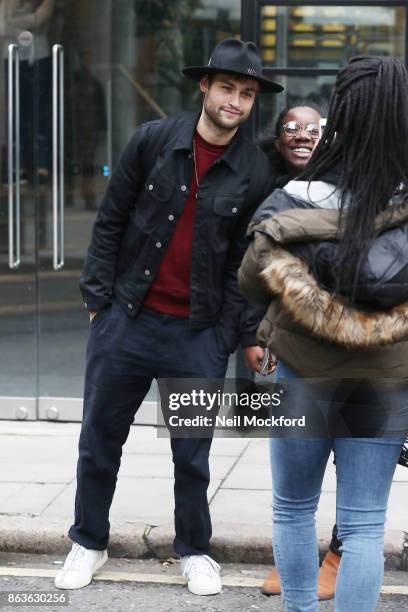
160	282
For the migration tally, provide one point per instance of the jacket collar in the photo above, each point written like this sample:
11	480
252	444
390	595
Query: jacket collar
186	133
305	225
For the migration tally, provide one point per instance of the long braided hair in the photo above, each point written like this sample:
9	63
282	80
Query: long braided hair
367	138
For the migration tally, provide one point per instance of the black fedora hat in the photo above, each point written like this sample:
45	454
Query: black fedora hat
235	57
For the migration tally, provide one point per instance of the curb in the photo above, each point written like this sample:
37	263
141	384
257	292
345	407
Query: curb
231	542
41	535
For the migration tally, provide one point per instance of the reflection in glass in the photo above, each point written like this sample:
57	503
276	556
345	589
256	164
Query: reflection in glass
26	24
326	36
123	62
169	36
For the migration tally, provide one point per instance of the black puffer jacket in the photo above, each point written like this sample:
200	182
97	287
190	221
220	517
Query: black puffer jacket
314	332
383	278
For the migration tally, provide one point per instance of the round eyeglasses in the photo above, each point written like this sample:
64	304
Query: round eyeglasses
293	128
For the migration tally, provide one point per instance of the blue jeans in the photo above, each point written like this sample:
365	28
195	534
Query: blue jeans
364	468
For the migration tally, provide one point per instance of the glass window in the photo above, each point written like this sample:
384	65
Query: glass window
170	35
326	36
123	62
151	41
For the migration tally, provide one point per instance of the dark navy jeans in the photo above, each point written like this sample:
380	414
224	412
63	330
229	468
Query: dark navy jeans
123	357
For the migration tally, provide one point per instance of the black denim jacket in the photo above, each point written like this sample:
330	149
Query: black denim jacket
138	215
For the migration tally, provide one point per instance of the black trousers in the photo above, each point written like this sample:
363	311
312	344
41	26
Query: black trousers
123	357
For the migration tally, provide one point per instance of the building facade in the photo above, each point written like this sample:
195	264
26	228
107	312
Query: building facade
77	78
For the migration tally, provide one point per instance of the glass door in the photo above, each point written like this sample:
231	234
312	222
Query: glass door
80	164
18	214
89	73
116	64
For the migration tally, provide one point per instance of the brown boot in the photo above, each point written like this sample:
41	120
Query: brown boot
272	586
326	582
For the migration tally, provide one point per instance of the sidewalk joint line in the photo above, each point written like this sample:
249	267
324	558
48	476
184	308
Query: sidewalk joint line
57	495
222	480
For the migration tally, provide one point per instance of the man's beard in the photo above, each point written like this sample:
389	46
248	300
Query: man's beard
217	122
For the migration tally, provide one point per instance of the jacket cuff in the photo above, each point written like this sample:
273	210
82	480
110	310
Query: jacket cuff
248	339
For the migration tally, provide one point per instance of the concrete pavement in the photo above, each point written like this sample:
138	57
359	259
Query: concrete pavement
123	585
37	488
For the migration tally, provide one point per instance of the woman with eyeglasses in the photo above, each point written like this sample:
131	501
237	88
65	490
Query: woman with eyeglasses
329	254
290	144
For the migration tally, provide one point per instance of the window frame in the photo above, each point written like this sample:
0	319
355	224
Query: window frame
251	30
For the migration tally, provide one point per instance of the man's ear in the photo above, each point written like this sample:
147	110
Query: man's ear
204	84
277	144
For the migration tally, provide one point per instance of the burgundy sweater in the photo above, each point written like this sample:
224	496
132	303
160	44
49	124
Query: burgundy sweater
170	290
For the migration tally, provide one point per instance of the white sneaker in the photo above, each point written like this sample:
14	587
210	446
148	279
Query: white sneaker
202	573
79	567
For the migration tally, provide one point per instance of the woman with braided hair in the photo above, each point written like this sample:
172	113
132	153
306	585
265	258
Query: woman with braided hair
329	256
289	143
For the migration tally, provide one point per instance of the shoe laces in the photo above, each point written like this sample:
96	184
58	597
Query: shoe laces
75	557
201	565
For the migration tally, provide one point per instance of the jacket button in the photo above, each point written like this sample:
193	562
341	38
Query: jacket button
130	306
150	187
234	210
183	188
158	245
171	217
147	272
86	304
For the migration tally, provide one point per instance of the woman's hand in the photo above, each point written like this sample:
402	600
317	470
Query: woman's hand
254	356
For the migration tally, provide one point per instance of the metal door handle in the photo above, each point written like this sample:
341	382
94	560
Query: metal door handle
14	156
58	155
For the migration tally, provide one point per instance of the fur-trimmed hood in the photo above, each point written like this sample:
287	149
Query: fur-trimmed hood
283	262
324	316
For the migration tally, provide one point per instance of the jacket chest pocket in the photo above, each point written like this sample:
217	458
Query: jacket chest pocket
227	210
154	202
159	188
228	206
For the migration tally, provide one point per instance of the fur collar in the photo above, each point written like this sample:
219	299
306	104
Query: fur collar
324	316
